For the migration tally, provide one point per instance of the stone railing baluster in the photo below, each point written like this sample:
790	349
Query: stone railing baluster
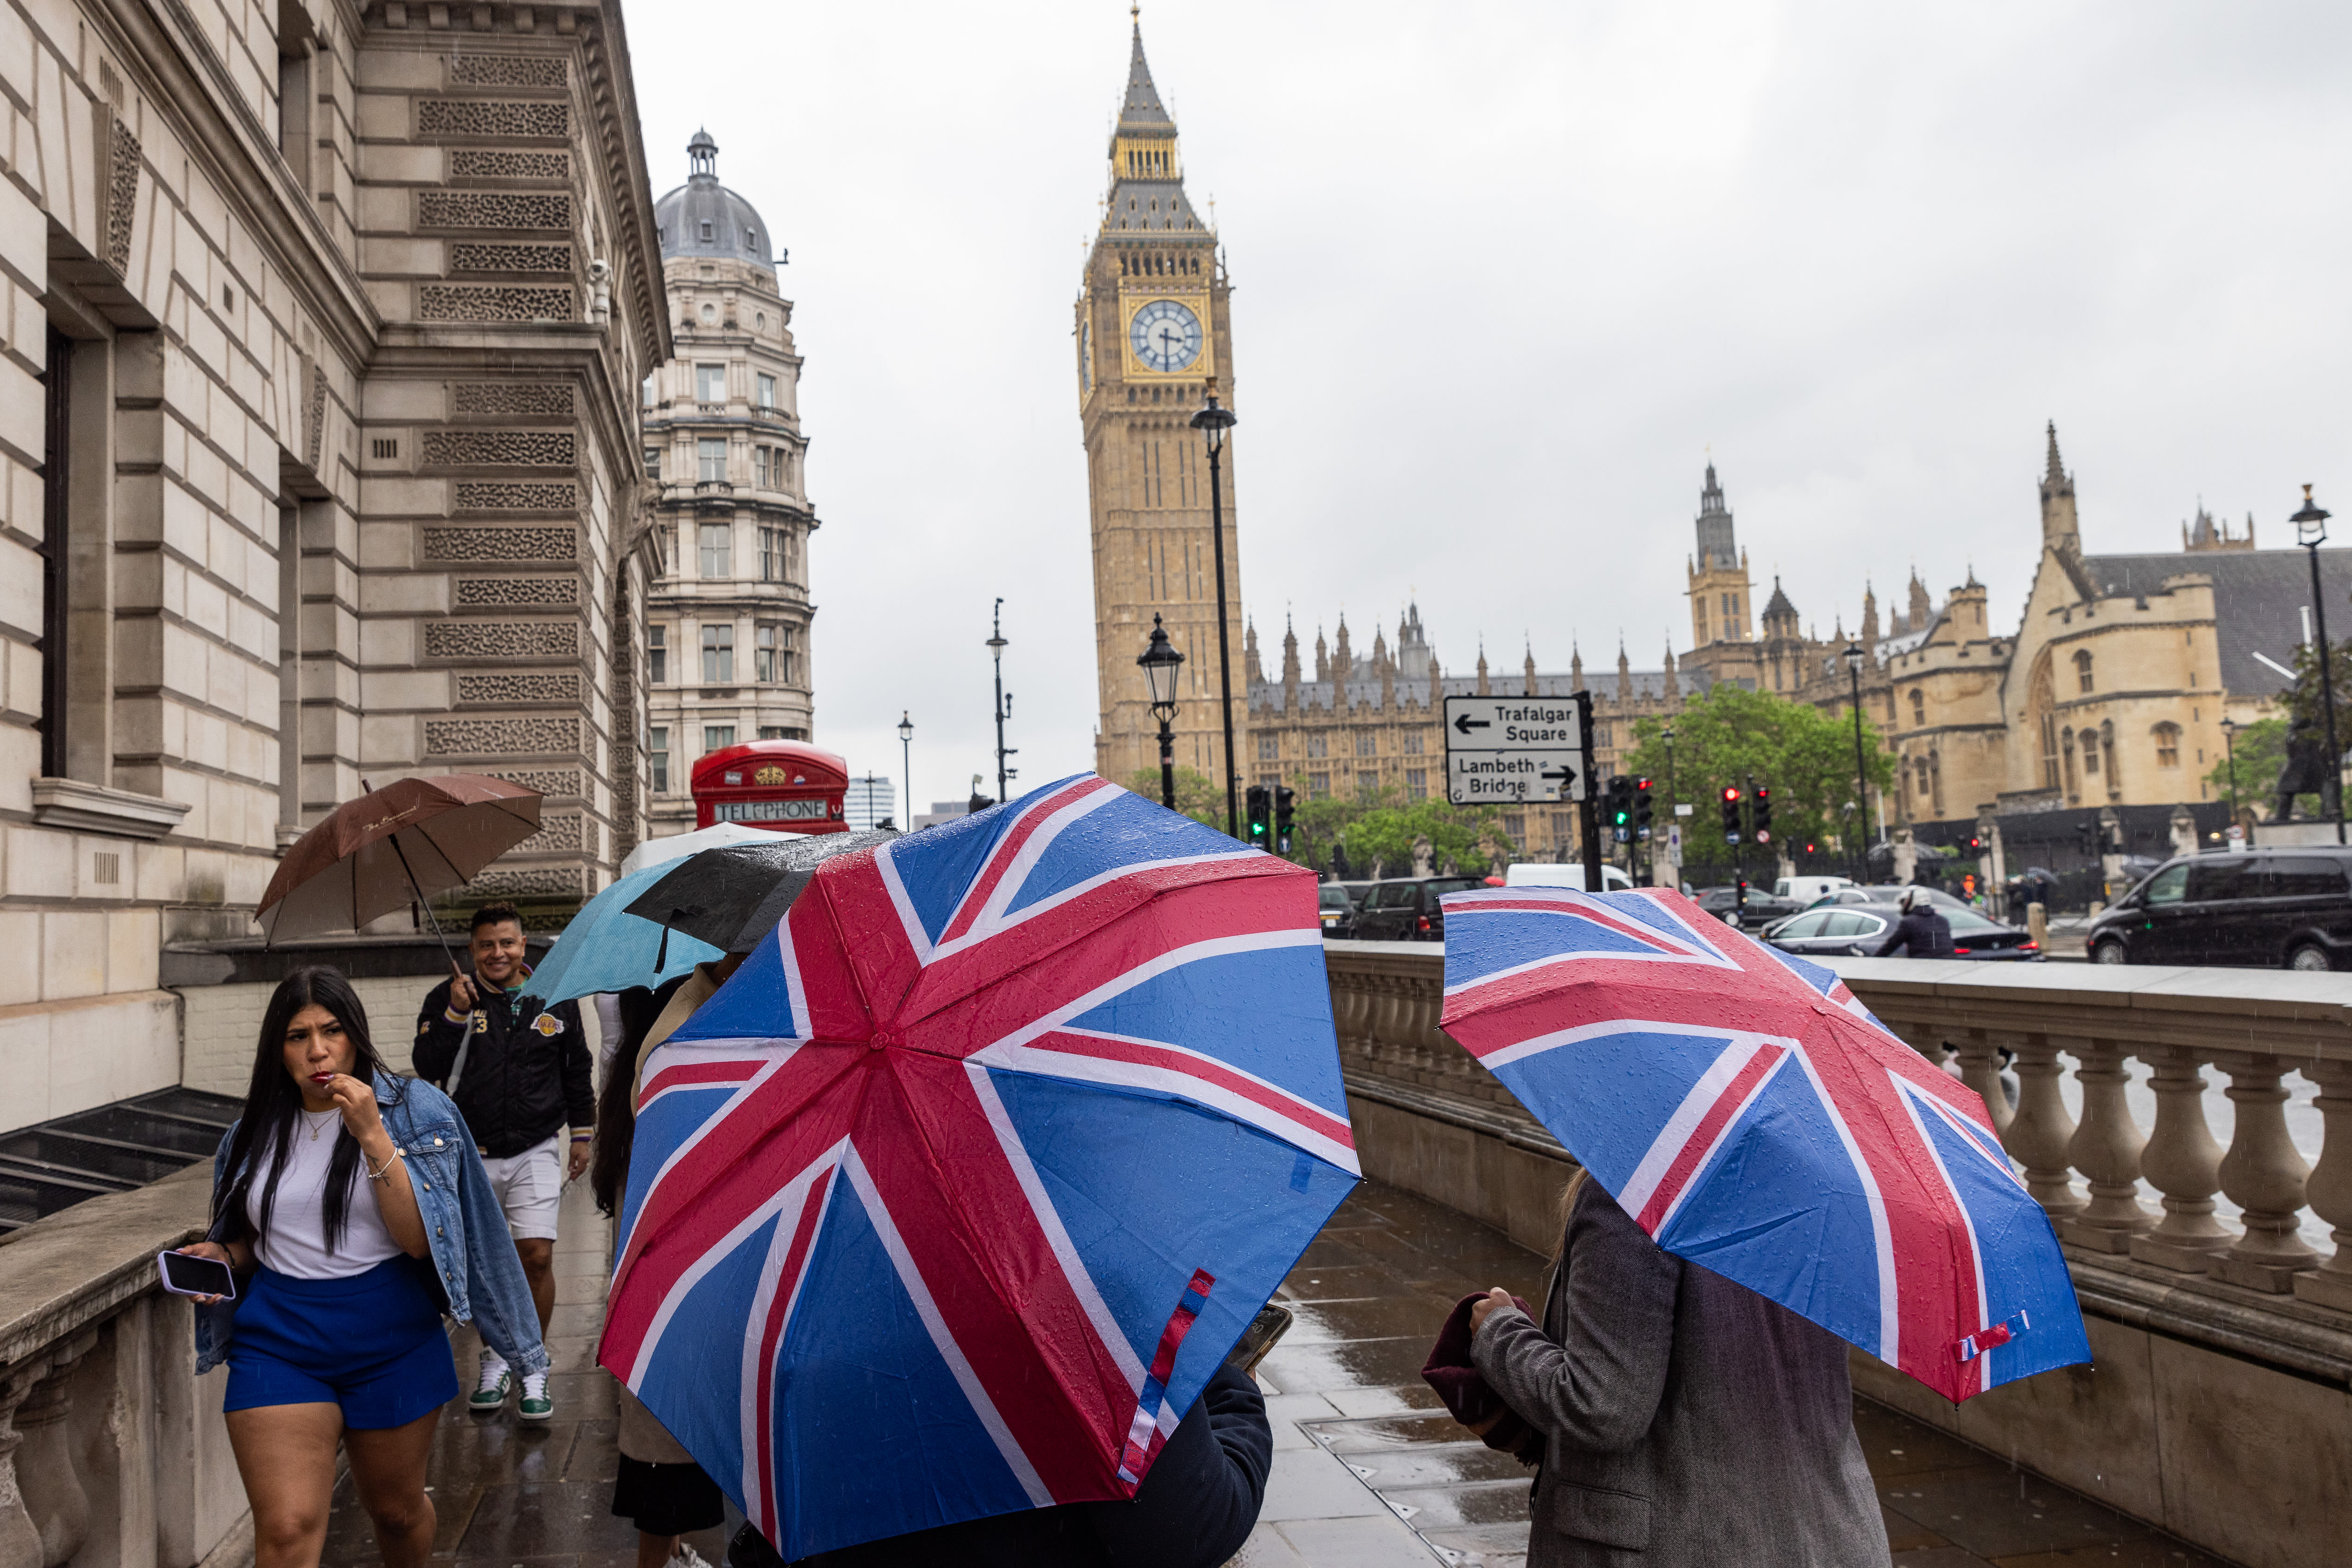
2265	1176
2182	1161
2105	1148
1980	1058
2330	1186
2039	1134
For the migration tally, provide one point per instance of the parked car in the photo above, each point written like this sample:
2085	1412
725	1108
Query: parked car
1562	874
1858	929
1407	910
1337	910
1890	893
1761	910
2263	908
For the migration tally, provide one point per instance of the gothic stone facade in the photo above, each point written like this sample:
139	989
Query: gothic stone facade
1153	338
318	464
728	617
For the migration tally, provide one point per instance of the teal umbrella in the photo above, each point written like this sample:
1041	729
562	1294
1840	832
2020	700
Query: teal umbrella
606	948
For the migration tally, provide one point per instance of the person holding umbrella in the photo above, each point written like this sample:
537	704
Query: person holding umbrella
356	1211
519	1072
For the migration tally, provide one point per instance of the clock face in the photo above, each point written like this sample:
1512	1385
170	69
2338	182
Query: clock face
1165	336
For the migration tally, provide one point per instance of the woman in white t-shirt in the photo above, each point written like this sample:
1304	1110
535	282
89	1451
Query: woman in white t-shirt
325	1201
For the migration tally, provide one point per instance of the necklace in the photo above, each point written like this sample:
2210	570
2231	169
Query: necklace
318	1126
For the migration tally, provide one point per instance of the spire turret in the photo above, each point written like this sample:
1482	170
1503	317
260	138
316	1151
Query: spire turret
1147	163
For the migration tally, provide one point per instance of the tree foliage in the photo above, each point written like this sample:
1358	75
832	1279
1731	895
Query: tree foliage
1355	833
2261	748
1729	736
1197	795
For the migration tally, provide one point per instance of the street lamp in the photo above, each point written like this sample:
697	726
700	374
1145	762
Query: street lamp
2230	741
1213	422
1161	661
996	646
907	764
2311	532
1674	803
1853	662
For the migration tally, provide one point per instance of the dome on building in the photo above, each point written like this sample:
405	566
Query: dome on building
704	218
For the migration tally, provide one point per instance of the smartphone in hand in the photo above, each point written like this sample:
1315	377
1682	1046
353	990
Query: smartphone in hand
188	1274
1269	1325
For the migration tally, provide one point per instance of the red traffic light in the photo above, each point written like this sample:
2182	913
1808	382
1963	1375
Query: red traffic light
1730	793
1640	783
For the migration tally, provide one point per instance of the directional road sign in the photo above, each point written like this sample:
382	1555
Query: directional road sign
1507	750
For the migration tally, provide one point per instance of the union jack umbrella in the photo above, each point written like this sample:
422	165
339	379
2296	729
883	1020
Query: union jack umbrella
1752	1116
950	1201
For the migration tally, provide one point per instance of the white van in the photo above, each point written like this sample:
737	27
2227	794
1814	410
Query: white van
1535	874
1805	889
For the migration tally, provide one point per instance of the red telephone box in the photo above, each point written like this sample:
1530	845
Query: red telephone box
785	786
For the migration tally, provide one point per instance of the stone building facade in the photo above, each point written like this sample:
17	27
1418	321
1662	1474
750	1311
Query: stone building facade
318	466
1153	339
2109	690
728	620
1374	726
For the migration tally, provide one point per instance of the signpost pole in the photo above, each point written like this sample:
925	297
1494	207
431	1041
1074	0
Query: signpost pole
1588	816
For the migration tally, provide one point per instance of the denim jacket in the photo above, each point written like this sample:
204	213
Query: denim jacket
471	1249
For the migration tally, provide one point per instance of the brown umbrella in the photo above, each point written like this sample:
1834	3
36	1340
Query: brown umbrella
412	838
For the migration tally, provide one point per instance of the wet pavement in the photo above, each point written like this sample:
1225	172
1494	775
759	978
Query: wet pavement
1368	1471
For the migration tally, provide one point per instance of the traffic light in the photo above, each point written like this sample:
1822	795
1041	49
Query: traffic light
1284	798
1618	801
1642	810
1731	813
1763	813
1261	807
2087	839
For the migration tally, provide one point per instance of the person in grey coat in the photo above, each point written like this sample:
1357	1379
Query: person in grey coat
1686	1419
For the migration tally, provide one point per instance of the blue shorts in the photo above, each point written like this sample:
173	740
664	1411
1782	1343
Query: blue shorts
372	1343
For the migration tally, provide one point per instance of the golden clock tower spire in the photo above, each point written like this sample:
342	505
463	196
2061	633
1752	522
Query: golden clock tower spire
1153	340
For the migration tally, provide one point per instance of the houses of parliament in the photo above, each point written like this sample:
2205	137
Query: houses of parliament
2108	685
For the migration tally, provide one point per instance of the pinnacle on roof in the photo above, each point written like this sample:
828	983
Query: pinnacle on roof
1778	604
1142	107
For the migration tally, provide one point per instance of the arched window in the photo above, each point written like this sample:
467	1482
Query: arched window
2083	671
1918	708
2167	745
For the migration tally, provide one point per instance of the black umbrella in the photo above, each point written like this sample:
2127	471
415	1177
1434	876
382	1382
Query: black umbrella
732	896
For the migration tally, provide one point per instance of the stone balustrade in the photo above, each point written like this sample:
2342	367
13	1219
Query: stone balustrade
2202	1324
112	1451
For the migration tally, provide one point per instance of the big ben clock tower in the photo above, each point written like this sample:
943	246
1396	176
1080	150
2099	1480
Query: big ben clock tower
1153	341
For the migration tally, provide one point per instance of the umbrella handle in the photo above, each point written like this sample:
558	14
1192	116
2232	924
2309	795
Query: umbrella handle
427	903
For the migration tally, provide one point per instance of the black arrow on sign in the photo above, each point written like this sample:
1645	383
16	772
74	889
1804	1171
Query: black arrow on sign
1466	723
1567	777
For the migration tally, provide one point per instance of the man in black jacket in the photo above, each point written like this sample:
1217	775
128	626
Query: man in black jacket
519	1072
1922	933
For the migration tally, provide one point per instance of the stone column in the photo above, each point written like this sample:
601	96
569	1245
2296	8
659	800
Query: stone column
2330	1186
2107	1148
2185	1164
2265	1176
1980	1071
20	1538
2040	1134
52	1497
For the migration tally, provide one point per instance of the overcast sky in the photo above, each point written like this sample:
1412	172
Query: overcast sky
1504	275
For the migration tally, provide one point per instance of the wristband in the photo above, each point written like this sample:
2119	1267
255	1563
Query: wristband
451	1016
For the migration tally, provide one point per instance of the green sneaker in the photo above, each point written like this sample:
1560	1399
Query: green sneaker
536	1408
489	1394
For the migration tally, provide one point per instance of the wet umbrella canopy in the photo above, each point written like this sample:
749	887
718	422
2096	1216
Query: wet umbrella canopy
412	838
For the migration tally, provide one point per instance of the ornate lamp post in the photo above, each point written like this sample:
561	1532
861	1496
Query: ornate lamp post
2311	532
907	764
1213	422
1159	662
2229	742
996	646
1853	662
1673	805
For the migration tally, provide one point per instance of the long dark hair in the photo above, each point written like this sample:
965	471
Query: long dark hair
273	1104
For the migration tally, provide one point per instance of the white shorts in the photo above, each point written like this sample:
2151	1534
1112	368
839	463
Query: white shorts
530	1186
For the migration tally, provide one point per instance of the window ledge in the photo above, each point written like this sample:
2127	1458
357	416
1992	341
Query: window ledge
93	809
